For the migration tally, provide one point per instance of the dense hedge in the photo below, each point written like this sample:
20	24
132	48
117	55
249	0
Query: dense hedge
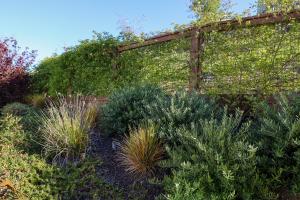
260	60
93	68
86	68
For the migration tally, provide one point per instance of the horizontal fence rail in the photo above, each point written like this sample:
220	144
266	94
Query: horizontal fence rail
269	18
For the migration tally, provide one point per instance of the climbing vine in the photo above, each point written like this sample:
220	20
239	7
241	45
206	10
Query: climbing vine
93	67
262	59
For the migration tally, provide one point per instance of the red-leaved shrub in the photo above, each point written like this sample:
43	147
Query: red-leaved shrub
14	64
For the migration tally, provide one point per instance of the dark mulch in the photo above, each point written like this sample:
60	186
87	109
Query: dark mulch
113	173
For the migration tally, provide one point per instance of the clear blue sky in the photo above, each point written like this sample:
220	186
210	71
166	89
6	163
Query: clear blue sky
49	25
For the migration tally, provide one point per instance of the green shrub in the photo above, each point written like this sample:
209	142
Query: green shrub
27	114
85	68
215	161
66	126
127	108
26	118
17	109
141	151
279	144
179	110
12	132
248	103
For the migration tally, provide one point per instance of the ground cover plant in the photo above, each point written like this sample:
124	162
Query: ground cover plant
218	155
27	114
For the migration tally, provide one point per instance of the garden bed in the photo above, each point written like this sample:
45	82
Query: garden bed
147	144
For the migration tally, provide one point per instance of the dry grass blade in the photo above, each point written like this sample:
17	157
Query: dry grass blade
141	151
8	184
66	125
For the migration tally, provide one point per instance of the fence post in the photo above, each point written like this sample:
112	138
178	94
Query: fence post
197	47
115	58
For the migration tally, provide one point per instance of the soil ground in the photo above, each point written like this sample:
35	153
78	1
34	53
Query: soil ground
113	173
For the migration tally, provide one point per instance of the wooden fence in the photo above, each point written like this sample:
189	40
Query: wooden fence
196	35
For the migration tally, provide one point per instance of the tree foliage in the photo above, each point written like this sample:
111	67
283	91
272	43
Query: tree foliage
207	11
279	5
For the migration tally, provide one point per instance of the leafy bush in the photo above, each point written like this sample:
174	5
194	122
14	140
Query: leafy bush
179	110
12	132
215	161
27	114
141	151
244	102
127	108
28	119
278	142
86	68
66	127
14	78
17	109
93	67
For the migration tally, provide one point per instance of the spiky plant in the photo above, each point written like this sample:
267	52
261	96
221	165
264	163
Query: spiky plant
66	125
141	151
